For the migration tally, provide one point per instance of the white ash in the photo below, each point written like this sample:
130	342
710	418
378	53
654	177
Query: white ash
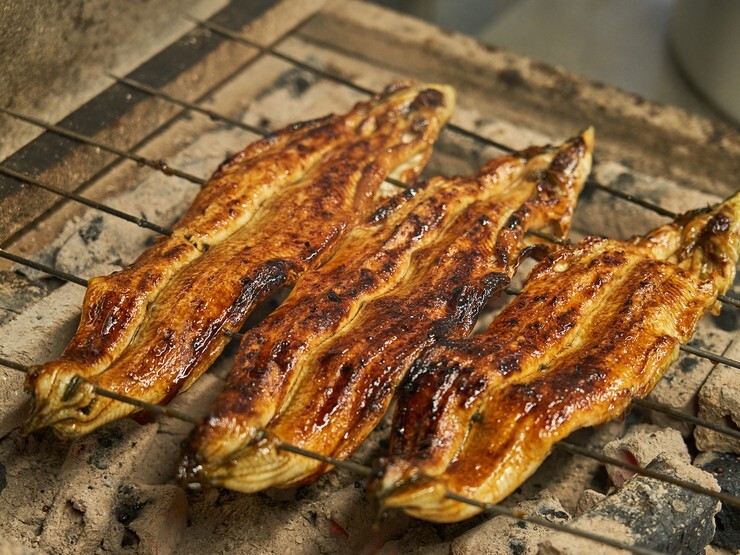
503	536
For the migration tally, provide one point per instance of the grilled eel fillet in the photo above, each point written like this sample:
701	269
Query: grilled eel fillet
303	189
596	325
322	370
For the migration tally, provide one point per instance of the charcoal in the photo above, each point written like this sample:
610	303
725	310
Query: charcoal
502	535
96	467
640	445
588	500
725	467
147	519
719	402
649	513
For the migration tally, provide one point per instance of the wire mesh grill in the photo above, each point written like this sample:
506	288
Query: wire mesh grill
160	165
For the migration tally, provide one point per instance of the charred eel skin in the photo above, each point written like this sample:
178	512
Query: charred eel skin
328	399
321	177
596	325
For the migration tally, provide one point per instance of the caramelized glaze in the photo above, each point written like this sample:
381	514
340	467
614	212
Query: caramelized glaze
596	325
321	371
269	214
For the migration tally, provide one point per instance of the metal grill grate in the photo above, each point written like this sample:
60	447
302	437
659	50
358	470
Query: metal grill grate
17	176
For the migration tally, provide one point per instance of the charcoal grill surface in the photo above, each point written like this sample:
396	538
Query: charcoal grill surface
660	154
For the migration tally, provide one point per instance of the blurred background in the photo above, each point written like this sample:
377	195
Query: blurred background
680	52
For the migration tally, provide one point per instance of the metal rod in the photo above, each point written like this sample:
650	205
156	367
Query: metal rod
159	165
569	447
729	300
74	279
498	510
633	199
42	268
670	411
357	468
573	449
141	222
710	355
138	85
166	411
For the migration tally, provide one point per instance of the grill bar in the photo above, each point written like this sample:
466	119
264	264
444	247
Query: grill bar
78	280
139	86
159	165
709	355
670	411
498	510
578	450
141	222
365	471
42	268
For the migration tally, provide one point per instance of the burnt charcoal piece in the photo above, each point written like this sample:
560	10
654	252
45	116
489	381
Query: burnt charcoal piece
659	515
725	467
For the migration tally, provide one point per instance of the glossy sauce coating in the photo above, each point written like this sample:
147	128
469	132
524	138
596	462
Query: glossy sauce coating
295	229
596	325
344	386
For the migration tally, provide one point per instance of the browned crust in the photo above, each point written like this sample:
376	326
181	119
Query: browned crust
595	326
344	386
183	329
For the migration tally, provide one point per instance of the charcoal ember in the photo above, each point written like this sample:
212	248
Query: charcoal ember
719	402
650	513
96	467
147	519
725	467
640	445
504	535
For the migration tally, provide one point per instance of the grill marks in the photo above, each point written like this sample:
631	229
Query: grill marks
333	396
595	326
270	213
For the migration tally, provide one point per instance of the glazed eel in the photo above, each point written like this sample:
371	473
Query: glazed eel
271	213
321	371
596	325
